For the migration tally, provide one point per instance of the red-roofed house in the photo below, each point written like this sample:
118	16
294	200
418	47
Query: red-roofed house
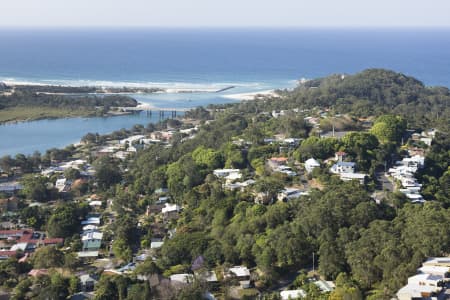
15	234
7	254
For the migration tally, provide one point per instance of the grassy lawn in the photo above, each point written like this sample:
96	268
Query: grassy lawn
35	113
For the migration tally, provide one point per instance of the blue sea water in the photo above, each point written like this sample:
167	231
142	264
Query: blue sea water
250	59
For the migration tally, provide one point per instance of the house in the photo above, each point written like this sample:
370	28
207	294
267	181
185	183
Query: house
170	208
95	203
343	167
286	170
154	209
23	246
436	270
91	240
162	135
91	245
414	292
87	254
183	278
242	274
162	200
291	142
93	220
92	235
325	286
156	243
10	187
292	294
208	276
132	140
5	254
289	194
228	174
63	185
415	198
87	283
275	162
89	227
434	281
437	261
239	185
310	164
429	283
361	177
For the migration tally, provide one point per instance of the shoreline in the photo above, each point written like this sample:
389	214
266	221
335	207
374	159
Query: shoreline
67	116
126	88
250	96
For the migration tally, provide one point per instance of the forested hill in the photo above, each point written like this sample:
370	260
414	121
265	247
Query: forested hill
370	92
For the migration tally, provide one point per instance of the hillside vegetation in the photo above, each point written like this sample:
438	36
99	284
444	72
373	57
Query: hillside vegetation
371	92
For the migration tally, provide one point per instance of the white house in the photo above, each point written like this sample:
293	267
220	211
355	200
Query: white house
290	193
437	261
183	278
91	235
89	227
343	167
286	170
310	164
132	139
91	221
412	292
435	270
170	208
292	294
229	174
421	286
353	176
427	279
242	274
156	244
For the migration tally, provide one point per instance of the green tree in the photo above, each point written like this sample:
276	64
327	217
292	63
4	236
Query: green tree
65	220
207	157
48	257
35	187
107	172
389	128
345	289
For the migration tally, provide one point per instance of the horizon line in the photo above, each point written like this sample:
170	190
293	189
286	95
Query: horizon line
128	27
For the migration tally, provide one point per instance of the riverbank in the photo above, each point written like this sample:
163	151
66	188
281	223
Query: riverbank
35	113
22	114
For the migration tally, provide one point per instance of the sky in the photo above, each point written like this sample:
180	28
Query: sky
224	13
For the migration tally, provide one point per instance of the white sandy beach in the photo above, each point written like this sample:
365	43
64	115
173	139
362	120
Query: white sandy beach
252	95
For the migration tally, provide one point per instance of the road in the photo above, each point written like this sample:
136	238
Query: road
385	183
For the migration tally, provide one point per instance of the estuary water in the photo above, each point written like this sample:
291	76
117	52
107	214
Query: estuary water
201	60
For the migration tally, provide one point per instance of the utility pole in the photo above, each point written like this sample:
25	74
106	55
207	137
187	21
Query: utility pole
313	264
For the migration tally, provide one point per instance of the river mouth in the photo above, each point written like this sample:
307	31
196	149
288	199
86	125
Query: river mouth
41	135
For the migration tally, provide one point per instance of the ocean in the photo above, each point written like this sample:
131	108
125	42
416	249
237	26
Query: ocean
202	60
